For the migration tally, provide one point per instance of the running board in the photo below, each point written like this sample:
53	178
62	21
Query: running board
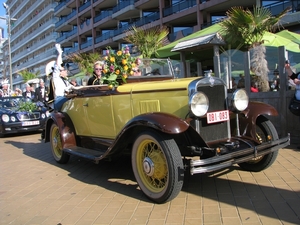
86	153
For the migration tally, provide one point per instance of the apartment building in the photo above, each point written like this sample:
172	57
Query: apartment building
32	29
92	25
2	62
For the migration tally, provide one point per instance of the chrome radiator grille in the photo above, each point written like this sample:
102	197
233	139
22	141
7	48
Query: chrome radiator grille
217	102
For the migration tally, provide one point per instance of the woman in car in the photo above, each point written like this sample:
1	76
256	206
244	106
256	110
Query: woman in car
96	79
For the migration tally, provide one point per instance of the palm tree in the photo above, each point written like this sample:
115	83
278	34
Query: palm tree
245	29
148	41
85	61
29	75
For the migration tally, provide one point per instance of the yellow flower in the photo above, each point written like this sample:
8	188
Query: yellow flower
117	72
112	59
125	67
124	61
119	53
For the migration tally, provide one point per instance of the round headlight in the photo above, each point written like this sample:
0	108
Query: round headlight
199	104
5	118
43	116
240	100
13	119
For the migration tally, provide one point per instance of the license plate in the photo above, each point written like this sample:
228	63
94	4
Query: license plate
218	116
30	123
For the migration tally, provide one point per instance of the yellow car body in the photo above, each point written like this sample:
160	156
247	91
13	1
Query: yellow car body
168	125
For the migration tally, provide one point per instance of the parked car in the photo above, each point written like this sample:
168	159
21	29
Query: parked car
18	114
168	125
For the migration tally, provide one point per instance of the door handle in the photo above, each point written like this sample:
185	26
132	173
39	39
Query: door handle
86	104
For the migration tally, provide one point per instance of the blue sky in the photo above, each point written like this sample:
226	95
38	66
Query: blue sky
3	22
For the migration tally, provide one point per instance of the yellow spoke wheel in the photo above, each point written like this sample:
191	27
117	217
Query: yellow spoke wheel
157	166
56	145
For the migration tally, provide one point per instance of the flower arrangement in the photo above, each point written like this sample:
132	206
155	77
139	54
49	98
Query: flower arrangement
118	66
28	106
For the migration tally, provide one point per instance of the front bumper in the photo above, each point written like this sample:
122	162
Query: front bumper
18	127
227	160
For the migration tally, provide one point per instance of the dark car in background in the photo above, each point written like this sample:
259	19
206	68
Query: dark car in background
18	114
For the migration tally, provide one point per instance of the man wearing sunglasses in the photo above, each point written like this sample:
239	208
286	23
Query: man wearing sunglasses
59	83
96	79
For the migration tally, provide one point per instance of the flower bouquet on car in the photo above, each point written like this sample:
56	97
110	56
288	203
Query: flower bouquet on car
118	65
28	106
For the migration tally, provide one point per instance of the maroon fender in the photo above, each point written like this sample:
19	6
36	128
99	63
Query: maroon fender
66	129
254	110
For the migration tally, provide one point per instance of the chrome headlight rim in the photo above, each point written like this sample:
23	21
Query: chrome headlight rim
198	104
239	100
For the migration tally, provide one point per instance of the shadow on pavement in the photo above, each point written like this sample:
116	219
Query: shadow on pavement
117	176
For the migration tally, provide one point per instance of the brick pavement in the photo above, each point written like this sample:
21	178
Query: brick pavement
35	190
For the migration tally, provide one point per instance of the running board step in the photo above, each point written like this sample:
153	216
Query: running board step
86	153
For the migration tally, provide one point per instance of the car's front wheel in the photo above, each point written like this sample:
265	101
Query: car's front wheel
56	146
157	165
263	130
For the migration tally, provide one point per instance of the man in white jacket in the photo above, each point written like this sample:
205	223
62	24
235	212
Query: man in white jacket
59	83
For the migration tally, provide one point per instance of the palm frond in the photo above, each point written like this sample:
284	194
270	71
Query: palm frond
248	28
85	61
148	40
26	75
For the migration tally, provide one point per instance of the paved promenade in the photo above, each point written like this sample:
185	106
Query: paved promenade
35	190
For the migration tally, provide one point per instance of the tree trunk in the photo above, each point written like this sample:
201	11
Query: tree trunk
259	66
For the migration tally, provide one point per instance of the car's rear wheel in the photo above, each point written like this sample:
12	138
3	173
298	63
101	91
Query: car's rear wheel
157	165
263	130
56	146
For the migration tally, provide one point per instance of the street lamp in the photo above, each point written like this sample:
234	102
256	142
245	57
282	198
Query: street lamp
8	19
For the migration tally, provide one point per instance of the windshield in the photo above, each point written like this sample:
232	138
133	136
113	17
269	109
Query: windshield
154	67
10	102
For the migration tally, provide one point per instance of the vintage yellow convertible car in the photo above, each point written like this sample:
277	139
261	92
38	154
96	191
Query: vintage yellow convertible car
168	125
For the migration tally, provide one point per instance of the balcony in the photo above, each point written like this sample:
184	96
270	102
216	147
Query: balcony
64	20
147	19
178	7
86	44
102	15
66	35
104	37
84	6
125	10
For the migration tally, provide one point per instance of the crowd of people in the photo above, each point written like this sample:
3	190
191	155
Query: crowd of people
293	81
38	94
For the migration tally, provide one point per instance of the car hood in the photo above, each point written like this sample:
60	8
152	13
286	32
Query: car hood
12	111
6	111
